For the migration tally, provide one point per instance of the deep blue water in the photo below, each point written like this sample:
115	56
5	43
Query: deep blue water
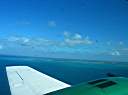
69	71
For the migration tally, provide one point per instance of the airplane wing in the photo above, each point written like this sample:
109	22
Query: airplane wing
24	80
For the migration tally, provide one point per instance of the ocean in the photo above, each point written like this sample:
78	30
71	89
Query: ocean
67	70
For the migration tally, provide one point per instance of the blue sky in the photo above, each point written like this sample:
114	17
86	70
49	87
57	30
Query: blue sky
87	29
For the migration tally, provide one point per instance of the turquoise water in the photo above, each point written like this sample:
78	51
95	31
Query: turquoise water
69	71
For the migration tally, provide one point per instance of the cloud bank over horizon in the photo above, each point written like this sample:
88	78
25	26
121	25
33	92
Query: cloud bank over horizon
72	45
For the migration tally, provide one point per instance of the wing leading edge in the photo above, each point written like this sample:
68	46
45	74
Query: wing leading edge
24	80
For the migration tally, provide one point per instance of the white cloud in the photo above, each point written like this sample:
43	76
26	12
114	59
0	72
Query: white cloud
70	39
43	42
75	39
115	53
77	36
78	41
121	43
68	44
13	39
19	39
24	41
66	34
32	42
51	23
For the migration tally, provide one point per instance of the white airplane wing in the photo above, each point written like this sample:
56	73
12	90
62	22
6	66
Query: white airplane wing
24	80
